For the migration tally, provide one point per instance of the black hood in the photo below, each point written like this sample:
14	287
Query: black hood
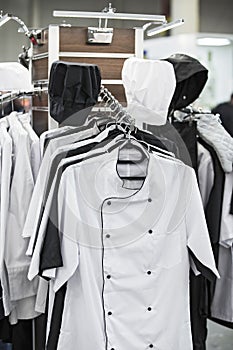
191	77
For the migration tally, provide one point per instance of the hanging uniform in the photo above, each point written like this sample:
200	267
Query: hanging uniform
122	271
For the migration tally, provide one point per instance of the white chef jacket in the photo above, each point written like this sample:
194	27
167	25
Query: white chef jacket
20	301
125	255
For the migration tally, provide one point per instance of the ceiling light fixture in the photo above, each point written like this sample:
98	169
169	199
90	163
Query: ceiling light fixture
213	41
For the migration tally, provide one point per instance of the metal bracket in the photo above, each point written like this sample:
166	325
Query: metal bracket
99	35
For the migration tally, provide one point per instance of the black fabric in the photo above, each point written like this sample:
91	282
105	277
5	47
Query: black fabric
198	310
188	132
72	87
191	77
204	270
213	208
40	331
2	315
56	319
19	334
183	136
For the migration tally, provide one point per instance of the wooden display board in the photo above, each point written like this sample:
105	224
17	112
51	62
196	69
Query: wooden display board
70	44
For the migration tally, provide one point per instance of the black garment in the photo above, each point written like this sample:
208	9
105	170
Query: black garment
19	334
191	77
56	319
213	208
182	136
72	87
188	132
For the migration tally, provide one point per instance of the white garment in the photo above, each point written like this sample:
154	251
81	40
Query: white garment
125	255
211	130
205	173
53	132
35	260
31	223
226	229
34	144
21	298
149	88
6	164
222	303
14	76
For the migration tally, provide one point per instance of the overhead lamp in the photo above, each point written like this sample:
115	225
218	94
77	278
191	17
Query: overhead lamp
7	17
213	41
164	27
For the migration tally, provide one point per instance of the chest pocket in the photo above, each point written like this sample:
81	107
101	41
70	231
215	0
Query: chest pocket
167	250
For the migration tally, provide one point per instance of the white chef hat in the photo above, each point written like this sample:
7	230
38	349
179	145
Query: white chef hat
149	87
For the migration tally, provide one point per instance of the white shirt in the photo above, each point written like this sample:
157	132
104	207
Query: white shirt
205	173
34	144
6	164
21	291
226	230
52	132
125	255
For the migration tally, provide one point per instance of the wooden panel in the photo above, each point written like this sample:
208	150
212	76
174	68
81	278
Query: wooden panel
40	69
40	100
74	39
43	47
40	121
118	92
110	68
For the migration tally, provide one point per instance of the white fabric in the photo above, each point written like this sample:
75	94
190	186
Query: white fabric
226	229
149	88
35	260
6	165
222	303
215	134
34	144
17	263
30	227
147	269
14	76
205	173
52	132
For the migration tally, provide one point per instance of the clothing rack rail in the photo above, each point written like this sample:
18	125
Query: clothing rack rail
121	115
10	96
